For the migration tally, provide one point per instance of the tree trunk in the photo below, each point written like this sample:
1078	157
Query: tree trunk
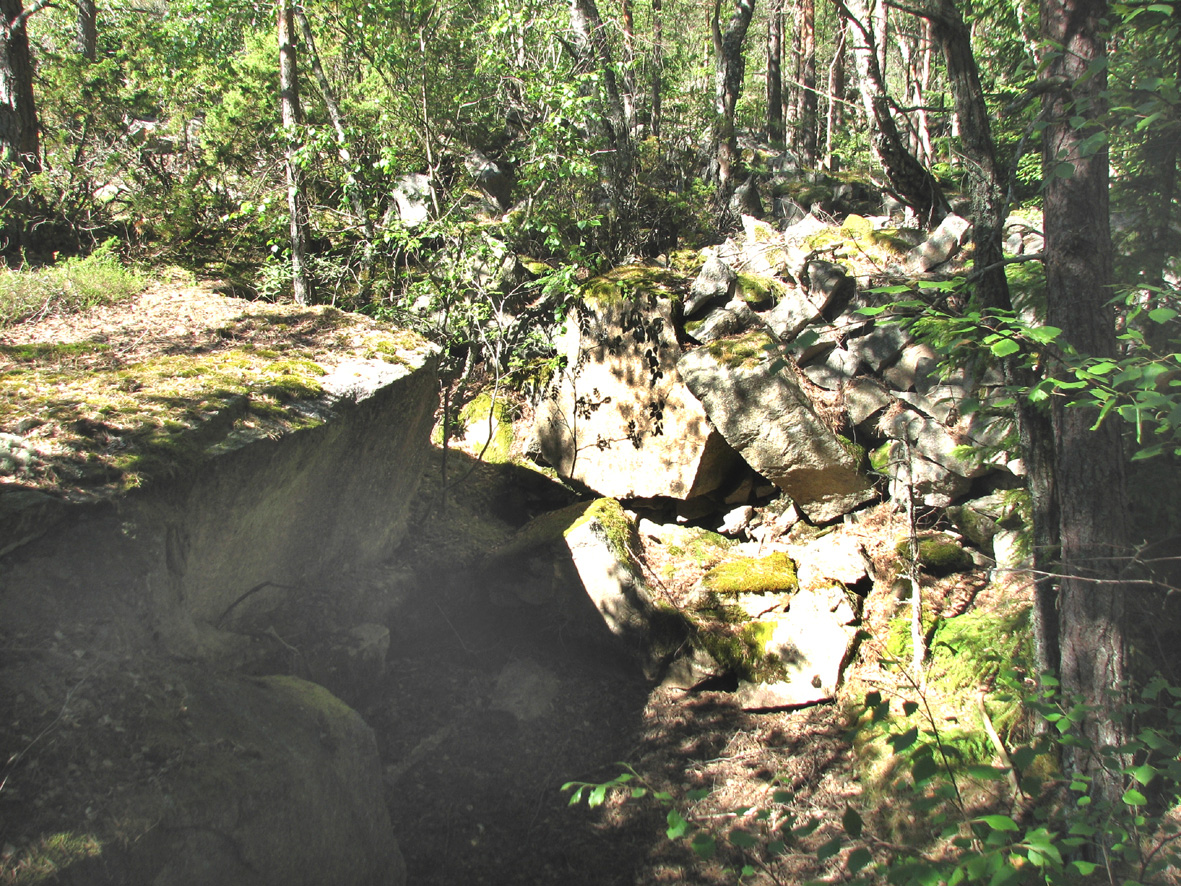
910	181
806	125
289	108
1092	490
775	130
657	64
87	29
591	41
991	292
629	69
19	140
729	67
326	92
836	93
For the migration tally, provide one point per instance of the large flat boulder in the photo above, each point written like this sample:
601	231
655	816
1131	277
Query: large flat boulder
764	414
618	417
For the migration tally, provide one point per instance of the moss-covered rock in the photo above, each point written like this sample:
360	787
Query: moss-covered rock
743	351
938	554
773	574
760	292
626	281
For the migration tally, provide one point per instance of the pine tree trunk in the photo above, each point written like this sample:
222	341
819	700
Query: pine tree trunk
806	127
910	181
1092	489
775	130
729	67
19	141
836	93
657	64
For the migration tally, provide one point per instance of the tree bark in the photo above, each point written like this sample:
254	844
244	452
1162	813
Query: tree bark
591	41
629	68
775	130
836	93
806	124
910	181
338	127
19	139
87	29
1092	490
657	64
289	109
729	67
991	293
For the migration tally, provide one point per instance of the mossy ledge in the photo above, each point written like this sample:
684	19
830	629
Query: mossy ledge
107	413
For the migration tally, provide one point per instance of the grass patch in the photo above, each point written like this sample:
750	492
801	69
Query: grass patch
68	287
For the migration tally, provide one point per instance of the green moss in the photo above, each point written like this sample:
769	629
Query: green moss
49	856
774	574
701	546
52	352
744	352
857	226
558	524
856	450
476	414
879	459
615	522
760	292
686	261
741	649
938	554
110	425
629	281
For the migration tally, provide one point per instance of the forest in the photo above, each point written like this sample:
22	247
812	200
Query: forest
430	162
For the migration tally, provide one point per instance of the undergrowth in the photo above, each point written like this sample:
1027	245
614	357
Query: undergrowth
71	286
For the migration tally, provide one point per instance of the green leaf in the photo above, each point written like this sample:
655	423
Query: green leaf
1065	169
1133	797
999	822
1143	773
597	796
1004	347
1086	868
904	740
704	845
852	822
858	859
696	795
1162	315
829	849
743	838
677	826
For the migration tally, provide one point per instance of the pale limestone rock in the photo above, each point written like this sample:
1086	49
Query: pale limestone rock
813	640
767	418
619	419
944	242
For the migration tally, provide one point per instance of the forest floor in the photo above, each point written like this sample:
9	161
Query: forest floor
490	705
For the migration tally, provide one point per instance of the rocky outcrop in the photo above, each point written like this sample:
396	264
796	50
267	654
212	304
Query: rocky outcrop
586	554
619	418
765	416
286	478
